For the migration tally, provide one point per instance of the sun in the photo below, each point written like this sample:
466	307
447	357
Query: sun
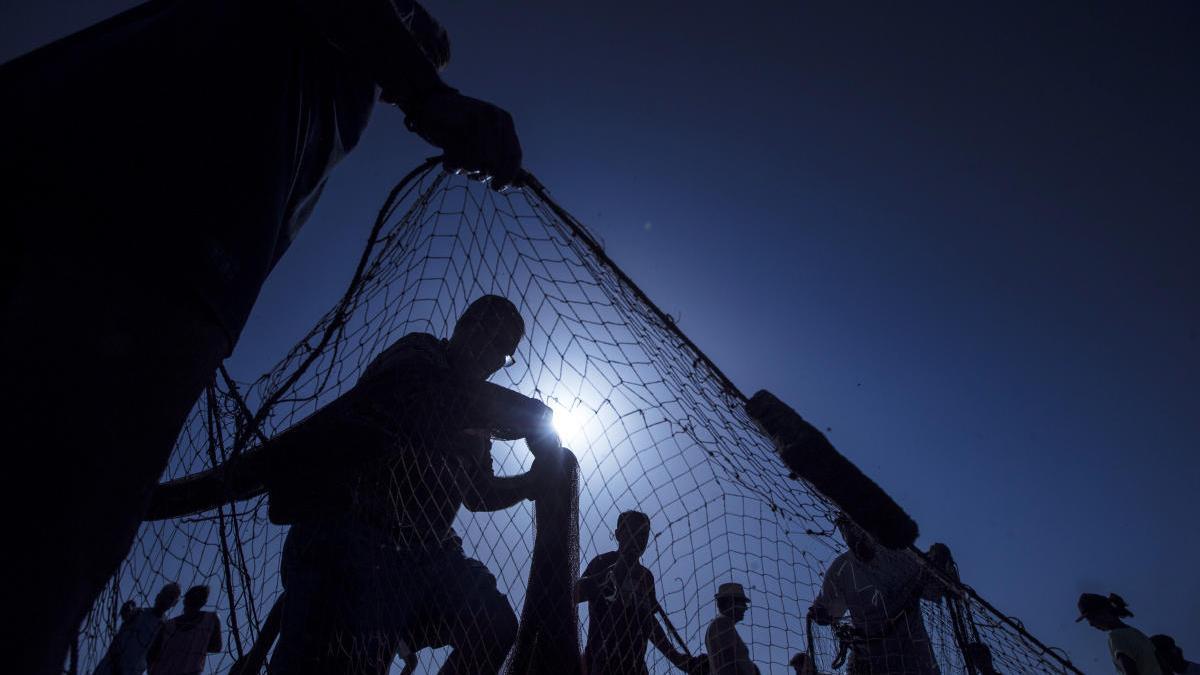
568	422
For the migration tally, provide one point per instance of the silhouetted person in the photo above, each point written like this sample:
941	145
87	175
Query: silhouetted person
373	482
621	605
882	590
1170	656
1132	652
127	653
185	641
727	653
155	167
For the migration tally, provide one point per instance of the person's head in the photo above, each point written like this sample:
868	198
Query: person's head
485	337
632	533
732	601
166	598
1170	656
196	598
1101	612
857	540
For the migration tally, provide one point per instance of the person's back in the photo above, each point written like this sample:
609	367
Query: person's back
727	653
882	590
1133	643
186	642
127	653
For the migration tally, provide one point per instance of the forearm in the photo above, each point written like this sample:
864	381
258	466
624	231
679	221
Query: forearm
658	638
375	34
493	493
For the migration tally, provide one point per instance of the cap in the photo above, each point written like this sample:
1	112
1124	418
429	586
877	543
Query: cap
731	590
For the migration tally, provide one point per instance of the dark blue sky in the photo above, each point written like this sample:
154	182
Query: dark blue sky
964	236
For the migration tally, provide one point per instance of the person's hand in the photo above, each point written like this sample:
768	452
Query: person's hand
477	137
819	615
544	444
698	665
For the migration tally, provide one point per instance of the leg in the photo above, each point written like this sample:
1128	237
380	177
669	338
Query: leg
471	616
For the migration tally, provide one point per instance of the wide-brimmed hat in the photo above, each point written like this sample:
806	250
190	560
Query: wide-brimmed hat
731	590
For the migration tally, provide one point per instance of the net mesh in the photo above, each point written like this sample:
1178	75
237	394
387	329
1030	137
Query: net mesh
654	429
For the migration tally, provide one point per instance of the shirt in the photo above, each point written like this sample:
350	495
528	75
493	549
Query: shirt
185	642
727	654
619	618
1133	643
127	653
882	596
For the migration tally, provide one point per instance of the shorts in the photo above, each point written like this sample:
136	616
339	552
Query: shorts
353	595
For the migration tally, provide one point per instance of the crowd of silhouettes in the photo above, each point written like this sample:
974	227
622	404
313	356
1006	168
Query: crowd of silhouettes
146	639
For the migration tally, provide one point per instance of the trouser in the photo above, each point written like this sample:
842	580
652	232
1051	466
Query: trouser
352	596
98	377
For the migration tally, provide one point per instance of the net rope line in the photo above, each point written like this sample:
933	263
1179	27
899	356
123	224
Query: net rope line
660	428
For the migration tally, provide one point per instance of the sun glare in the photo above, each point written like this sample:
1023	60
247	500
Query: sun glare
568	423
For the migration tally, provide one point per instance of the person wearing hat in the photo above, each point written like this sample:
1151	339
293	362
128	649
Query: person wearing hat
1132	652
157	166
727	653
371	485
882	591
1170	656
622	604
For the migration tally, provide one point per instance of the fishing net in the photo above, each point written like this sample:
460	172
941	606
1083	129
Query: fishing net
654	425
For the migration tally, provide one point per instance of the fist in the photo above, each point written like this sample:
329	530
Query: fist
477	137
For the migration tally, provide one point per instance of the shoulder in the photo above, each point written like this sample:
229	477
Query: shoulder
413	350
839	565
601	561
645	575
720	625
1127	639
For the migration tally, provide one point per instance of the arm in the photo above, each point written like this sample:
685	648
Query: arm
587	589
658	638
486	491
155	650
402	47
296	451
214	640
377	36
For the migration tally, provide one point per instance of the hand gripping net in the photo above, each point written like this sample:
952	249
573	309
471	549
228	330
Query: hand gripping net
655	426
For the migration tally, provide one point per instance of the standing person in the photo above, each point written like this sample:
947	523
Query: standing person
727	653
1170	656
1132	652
185	641
156	167
127	653
621	605
371	485
882	591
